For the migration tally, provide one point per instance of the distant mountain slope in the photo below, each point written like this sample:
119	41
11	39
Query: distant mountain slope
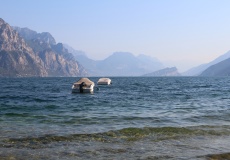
73	51
126	64
220	69
199	69
24	52
148	63
81	57
90	65
164	72
120	64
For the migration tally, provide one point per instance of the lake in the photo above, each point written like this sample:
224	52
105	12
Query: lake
134	118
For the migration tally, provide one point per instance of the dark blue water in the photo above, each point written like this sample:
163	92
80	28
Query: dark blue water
134	118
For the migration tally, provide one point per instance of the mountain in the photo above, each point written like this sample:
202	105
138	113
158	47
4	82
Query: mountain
16	56
74	52
164	72
57	60
25	52
120	64
89	64
148	63
199	69
126	64
29	34
220	69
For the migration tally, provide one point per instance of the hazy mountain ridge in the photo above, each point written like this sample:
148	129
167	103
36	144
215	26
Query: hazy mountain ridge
125	63
220	69
74	52
27	53
164	72
195	71
120	64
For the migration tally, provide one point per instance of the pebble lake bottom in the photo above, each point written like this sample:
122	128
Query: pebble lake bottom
135	118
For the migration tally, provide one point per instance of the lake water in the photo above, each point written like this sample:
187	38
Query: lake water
134	118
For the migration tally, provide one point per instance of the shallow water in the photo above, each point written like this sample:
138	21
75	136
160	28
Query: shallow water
134	118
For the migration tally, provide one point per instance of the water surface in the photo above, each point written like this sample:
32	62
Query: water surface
134	118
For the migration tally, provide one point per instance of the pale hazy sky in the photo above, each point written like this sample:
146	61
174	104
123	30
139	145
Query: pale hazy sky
181	33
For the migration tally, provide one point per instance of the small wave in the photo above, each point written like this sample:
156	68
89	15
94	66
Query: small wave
17	114
123	135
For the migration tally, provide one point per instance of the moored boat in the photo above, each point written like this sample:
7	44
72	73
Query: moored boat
83	85
104	81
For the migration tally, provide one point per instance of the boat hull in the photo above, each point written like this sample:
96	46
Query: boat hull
104	81
84	89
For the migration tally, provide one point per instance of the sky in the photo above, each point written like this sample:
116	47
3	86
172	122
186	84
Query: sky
180	33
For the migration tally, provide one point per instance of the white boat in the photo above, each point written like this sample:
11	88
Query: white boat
83	85
104	81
